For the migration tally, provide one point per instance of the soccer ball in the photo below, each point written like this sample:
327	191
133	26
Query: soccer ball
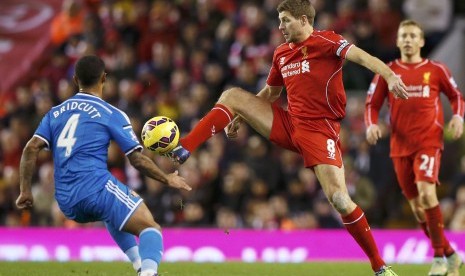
160	134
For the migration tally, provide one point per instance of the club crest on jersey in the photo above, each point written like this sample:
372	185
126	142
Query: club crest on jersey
426	77
304	52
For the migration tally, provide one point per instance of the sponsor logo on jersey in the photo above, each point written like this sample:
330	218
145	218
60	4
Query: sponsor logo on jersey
418	91
295	68
305	66
426	90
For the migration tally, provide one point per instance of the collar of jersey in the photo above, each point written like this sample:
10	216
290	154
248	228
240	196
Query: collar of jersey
293	45
83	94
411	64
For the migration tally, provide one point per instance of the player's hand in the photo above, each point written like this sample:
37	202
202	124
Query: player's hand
178	182
24	200
373	134
233	127
397	87
456	126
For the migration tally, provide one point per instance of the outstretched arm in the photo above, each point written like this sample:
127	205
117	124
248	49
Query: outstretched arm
147	167
27	168
395	84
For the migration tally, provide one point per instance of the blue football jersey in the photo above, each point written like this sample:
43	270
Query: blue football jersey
78	132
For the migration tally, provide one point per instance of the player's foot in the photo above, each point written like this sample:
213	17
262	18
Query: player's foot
179	154
139	273
454	262
385	271
438	267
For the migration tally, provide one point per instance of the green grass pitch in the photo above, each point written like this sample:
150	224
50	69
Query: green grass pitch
202	269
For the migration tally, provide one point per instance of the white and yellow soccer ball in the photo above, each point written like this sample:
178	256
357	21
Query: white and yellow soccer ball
160	134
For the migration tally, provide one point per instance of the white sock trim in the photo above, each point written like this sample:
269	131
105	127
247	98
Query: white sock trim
352	222
150	229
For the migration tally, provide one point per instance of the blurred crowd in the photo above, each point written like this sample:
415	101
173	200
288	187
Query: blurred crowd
174	58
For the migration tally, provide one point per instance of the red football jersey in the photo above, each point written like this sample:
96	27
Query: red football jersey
311	72
417	122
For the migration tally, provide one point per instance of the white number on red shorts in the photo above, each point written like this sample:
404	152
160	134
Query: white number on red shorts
427	165
331	147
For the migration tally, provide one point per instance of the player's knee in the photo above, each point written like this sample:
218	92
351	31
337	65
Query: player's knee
149	222
229	96
418	211
428	199
156	226
341	202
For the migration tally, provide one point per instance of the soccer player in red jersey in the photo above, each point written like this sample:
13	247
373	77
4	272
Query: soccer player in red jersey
309	66
417	135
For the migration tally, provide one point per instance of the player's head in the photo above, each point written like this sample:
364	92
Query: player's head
89	71
296	19
410	38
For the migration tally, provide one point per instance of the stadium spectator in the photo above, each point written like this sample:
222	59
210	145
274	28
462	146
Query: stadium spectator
417	135
296	129
43	196
386	30
434	16
227	219
84	188
68	22
458	220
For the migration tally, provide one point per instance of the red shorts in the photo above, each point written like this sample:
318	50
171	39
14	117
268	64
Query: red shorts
317	141
420	166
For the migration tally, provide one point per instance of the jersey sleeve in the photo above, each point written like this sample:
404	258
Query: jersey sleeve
338	45
122	133
449	88
377	92
274	76
43	131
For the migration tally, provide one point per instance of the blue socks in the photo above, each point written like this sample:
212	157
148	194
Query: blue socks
127	243
150	249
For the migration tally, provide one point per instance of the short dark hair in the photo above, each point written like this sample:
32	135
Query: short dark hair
297	8
88	70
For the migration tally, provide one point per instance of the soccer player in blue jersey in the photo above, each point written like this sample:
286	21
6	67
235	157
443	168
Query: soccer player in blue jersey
78	132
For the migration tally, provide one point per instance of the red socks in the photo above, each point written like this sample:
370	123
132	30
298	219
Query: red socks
357	225
435	224
424	227
212	123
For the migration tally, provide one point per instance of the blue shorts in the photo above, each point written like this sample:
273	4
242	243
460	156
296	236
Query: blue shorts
114	205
